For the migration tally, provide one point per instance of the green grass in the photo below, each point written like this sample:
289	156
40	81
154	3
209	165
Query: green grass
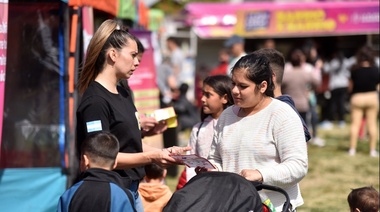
332	173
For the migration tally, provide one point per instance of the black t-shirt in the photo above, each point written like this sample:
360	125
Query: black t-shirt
365	79
101	110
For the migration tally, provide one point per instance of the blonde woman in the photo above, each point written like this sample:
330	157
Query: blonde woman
106	106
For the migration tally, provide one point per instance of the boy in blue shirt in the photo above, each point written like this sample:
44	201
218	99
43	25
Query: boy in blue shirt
100	188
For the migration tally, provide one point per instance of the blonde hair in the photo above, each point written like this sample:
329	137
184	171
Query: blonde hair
108	35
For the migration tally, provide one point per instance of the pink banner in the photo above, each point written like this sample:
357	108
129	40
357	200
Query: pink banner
88	26
143	81
3	57
322	19
283	19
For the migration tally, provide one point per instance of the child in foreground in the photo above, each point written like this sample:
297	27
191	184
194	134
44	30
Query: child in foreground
364	199
100	189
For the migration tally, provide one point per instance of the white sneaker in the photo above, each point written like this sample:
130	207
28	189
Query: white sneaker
351	152
374	153
327	125
318	142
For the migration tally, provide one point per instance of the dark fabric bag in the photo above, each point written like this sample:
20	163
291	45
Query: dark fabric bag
216	191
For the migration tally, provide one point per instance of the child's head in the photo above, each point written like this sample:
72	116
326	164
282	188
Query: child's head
99	150
154	172
364	199
216	95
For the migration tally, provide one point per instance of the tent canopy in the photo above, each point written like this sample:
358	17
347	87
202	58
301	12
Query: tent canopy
117	8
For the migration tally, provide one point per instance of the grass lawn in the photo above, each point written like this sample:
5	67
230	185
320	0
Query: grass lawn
332	172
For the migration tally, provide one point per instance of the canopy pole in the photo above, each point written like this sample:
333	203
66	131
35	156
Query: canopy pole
74	36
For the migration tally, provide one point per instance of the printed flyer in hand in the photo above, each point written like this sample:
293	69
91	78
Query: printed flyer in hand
193	161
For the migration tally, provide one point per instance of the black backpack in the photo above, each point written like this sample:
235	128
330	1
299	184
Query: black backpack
216	191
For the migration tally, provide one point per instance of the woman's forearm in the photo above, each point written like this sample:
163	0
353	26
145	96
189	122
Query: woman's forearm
132	160
148	148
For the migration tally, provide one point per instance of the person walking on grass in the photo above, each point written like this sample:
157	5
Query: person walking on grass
364	102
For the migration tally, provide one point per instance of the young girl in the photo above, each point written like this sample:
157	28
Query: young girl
216	96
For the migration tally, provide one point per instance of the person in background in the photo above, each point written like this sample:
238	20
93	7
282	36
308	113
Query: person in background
363	131
155	194
277	63
235	46
106	106
177	58
100	189
364	199
167	85
260	137
318	96
166	82
364	85
339	73
269	44
187	112
223	63
300	78
216	96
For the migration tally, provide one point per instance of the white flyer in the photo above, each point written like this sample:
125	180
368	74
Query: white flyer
194	161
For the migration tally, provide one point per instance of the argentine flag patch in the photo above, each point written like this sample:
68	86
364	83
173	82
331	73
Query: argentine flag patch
93	126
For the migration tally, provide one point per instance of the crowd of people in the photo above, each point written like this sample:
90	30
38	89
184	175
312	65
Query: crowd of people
258	114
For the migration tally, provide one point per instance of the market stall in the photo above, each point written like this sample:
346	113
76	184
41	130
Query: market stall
256	21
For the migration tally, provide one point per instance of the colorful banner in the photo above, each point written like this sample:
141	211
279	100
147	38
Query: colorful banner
214	31
322	19
143	81
3	57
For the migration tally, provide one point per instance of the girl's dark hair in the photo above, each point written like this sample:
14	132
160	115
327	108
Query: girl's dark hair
257	69
108	35
222	85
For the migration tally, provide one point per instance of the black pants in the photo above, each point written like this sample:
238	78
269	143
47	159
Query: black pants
337	104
